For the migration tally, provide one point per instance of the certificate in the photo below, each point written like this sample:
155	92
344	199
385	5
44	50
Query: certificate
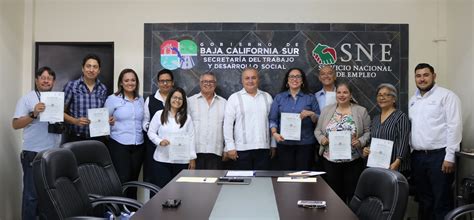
54	107
380	153
340	145
290	126
179	147
99	118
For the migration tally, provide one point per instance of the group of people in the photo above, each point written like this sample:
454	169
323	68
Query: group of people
245	130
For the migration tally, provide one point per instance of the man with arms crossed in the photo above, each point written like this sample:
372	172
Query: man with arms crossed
36	137
435	115
207	112
246	127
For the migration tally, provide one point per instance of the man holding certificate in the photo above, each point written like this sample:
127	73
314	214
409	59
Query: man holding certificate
83	94
390	132
343	130
293	117
172	130
36	136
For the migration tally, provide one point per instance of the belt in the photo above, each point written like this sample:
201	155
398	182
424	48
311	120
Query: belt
430	151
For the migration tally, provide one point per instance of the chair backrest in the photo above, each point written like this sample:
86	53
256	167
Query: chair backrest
380	194
95	167
58	185
460	211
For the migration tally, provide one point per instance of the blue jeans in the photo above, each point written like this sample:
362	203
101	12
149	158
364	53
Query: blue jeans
433	187
30	199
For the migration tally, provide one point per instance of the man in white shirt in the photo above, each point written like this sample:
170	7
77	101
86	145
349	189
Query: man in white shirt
207	112
327	95
436	133
246	127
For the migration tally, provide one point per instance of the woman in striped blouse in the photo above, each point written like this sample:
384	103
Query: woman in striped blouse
392	124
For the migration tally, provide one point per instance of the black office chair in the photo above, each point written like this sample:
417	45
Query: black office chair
61	193
97	171
380	194
460	211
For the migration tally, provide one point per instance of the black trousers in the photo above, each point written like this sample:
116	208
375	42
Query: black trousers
295	157
343	177
258	159
148	161
208	161
433	187
127	160
165	172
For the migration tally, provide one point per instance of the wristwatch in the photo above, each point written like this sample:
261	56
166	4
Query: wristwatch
32	115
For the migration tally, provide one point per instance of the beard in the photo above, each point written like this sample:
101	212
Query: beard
428	88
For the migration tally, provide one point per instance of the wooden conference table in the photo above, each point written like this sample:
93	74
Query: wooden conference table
198	199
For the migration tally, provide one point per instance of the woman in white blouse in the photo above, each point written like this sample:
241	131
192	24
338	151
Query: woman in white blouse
171	129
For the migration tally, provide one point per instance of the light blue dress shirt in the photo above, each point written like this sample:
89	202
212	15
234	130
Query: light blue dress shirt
321	97
128	114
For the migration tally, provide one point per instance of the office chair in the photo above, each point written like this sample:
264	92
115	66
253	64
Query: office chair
97	170
459	211
380	194
61	193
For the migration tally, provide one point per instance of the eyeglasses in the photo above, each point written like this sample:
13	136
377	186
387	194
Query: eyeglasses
379	96
295	77
176	98
165	81
44	78
208	82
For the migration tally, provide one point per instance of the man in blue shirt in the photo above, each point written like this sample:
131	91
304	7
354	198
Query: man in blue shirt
35	135
327	95
82	94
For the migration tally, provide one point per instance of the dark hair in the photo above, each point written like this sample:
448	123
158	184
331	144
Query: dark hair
304	84
40	71
120	86
164	71
339	84
182	114
424	65
91	56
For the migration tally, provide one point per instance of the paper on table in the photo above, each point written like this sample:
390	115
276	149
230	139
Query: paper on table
306	173
290	126
239	173
380	153
185	179
340	145
297	179
54	107
99	118
179	148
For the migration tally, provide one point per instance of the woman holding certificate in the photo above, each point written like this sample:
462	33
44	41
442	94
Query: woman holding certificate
126	136
393	125
342	131
171	129
293	117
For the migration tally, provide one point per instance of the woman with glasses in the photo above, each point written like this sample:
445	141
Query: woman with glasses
171	129
294	102
126	137
394	125
154	103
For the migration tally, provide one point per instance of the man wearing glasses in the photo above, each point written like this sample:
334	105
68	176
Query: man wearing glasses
207	112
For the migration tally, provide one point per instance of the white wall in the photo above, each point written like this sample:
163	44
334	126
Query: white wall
121	21
11	43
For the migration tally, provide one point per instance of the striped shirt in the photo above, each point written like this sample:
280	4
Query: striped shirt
395	128
78	98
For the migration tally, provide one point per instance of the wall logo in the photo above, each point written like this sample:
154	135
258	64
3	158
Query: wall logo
178	54
323	54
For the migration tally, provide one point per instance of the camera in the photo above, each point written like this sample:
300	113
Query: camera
56	128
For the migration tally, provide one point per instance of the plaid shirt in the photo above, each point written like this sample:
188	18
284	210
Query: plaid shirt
78	99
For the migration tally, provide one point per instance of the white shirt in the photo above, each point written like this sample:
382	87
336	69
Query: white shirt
248	129
436	121
208	121
146	110
158	132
